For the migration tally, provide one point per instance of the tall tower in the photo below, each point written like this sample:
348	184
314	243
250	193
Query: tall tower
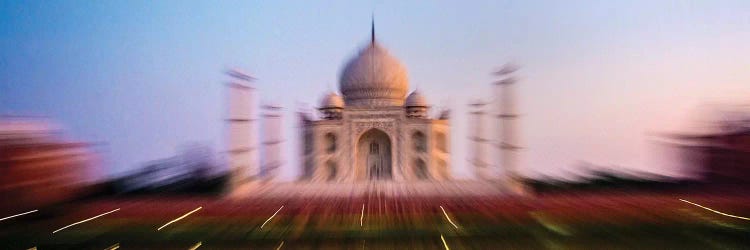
272	142
478	142
241	141
306	135
508	141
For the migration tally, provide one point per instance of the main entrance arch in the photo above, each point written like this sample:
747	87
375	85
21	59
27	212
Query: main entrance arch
374	161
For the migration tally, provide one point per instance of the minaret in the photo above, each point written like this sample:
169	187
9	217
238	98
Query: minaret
243	165
272	142
508	143
306	135
478	142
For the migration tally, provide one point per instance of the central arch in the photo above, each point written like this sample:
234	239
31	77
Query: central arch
374	161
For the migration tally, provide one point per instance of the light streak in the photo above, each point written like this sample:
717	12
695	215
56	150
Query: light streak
362	217
179	218
113	247
709	219
282	243
86	220
18	215
721	213
445	244
196	246
449	218
548	224
269	218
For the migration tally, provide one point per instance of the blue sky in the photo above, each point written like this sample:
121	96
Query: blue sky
145	77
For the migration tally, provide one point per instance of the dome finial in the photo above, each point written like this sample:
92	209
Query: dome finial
373	77
372	29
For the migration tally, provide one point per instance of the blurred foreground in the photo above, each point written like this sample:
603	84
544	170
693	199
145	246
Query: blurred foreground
603	221
48	203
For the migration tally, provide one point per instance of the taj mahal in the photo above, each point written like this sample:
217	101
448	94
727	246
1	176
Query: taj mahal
374	131
374	135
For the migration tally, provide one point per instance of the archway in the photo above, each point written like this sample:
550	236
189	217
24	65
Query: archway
419	141
332	170
374	159
420	169
330	143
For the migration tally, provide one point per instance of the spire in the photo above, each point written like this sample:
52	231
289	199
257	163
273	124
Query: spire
372	30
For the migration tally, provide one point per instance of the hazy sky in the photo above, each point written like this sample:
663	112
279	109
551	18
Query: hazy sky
144	77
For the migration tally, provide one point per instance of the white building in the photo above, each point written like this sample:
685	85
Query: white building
372	138
373	131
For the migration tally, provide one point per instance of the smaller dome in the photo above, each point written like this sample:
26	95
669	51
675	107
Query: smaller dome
332	100
416	99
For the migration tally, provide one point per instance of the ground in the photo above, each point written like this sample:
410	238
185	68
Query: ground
568	221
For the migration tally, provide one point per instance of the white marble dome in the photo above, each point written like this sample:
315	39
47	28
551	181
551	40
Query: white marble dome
416	99
332	100
374	78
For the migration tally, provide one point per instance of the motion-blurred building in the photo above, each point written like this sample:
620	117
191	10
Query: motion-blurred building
374	131
371	138
38	167
721	158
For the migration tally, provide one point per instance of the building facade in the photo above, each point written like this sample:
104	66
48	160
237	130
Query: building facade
719	159
373	131
39	167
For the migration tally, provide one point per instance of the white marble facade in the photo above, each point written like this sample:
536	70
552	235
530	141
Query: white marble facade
373	131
